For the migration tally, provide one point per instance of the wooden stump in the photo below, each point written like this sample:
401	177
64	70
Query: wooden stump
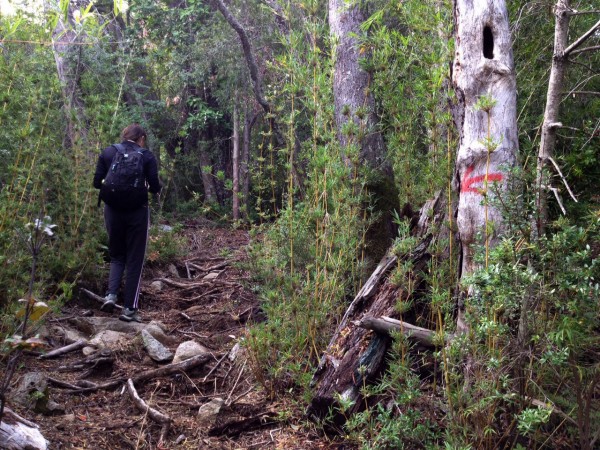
355	355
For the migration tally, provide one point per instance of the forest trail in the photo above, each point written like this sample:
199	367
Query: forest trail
202	297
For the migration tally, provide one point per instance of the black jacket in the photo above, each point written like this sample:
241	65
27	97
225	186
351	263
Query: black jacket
150	166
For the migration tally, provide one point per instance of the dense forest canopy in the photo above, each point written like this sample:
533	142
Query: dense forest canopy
323	127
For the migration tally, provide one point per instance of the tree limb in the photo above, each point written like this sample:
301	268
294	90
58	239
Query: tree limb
386	325
584	37
248	52
585	49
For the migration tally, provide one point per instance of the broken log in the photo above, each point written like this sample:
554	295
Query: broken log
170	369
387	325
17	433
355	356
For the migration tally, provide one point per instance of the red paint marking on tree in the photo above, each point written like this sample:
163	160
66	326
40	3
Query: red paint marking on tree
467	185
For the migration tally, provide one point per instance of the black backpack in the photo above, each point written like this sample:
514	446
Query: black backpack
124	187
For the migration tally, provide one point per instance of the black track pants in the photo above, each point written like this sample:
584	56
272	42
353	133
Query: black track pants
127	239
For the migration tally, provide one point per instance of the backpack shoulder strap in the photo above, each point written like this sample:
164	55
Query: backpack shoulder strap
119	147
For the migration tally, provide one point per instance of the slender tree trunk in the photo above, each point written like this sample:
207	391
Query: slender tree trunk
236	164
354	112
208	181
553	97
249	121
484	80
550	124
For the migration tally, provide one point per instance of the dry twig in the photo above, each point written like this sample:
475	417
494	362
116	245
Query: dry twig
154	414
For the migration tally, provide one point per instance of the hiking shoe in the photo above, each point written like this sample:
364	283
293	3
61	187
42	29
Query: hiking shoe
109	303
130	315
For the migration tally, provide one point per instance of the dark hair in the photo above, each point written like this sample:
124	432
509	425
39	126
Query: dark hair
133	132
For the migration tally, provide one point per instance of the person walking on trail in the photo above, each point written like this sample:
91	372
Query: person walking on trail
125	173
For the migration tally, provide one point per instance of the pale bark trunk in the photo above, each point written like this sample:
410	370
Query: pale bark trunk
483	67
236	164
550	124
553	98
249	122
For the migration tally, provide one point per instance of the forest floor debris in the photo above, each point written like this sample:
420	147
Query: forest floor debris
210	401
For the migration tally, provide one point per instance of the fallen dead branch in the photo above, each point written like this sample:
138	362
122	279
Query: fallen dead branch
202	259
191	286
154	414
183	366
387	325
216	290
180	285
216	366
209	269
66	349
96	297
235	384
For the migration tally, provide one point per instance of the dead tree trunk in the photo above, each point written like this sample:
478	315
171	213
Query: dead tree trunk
484	79
355	355
551	123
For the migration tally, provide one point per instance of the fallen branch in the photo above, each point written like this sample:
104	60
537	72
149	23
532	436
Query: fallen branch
209	269
66	349
154	414
96	297
387	325
177	284
183	366
235	384
216	365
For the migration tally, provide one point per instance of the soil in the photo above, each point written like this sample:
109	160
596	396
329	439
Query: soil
214	313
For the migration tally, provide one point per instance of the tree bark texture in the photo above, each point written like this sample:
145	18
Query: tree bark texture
353	100
355	355
553	99
17	433
551	123
483	69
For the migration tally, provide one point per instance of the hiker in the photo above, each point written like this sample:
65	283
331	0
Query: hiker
125	173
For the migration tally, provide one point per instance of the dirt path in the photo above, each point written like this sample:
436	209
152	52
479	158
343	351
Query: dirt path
203	298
